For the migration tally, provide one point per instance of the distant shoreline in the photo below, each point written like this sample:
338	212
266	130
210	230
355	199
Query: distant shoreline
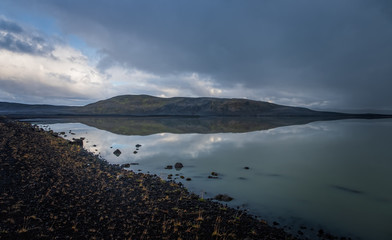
150	106
321	116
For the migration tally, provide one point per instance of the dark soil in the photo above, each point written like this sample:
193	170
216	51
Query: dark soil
51	189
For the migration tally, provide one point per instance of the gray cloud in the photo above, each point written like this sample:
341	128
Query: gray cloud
9	26
14	38
335	51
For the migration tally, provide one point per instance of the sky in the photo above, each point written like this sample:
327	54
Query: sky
324	55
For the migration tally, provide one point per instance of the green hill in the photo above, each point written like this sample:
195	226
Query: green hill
144	105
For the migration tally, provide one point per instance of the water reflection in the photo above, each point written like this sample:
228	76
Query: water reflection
332	175
153	125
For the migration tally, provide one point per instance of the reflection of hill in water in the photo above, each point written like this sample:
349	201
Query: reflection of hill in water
153	125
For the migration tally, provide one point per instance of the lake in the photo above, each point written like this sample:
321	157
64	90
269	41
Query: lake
303	175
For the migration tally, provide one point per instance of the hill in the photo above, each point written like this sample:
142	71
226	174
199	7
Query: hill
144	105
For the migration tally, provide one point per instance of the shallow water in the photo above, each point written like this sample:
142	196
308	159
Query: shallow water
331	175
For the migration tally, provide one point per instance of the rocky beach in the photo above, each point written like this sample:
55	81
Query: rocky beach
52	188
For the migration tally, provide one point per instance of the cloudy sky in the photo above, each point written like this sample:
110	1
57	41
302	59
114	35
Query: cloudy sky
320	54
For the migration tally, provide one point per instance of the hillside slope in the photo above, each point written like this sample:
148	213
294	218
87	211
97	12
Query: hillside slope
142	105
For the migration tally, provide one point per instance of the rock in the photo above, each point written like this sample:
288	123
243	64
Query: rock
178	166
117	152
215	174
94	145
134	152
188	179
213	177
223	197
169	167
134	163
78	142
138	145
247	168
126	165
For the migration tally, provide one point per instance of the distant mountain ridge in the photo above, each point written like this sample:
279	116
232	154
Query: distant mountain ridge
145	105
141	105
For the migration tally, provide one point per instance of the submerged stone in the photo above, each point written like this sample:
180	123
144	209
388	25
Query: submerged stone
223	197
126	165
117	152
178	166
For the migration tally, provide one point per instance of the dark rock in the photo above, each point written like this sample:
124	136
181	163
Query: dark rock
134	152
223	197
126	165
188	179
213	177
215	174
78	142
247	168
138	145
94	145
134	163
178	166
117	152
169	167
182	177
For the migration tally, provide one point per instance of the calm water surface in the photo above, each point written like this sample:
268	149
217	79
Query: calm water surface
331	175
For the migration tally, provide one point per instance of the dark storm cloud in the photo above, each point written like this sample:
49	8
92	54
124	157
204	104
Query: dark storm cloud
320	49
15	39
10	26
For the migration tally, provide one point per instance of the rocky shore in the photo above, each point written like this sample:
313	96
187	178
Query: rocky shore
53	189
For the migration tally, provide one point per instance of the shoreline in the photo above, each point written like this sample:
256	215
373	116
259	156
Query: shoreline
51	188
